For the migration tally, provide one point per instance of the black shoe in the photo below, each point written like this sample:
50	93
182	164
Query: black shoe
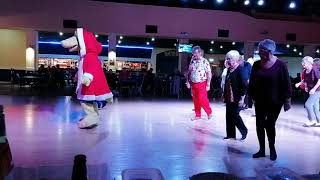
229	138
259	154
90	127
273	154
244	136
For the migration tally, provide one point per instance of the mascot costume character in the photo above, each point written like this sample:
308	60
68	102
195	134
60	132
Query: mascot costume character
92	87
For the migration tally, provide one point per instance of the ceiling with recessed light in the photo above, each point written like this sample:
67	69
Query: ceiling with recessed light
292	7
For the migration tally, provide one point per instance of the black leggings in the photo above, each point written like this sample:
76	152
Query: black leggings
266	117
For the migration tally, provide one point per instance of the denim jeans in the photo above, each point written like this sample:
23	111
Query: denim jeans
312	106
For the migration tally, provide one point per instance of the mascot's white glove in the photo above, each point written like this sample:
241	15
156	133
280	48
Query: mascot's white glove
87	79
110	100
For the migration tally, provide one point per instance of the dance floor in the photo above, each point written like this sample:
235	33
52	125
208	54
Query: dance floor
158	134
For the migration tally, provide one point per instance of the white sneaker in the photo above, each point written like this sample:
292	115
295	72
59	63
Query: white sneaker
317	124
310	123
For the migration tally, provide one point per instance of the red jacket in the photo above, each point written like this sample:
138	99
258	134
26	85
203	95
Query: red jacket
90	66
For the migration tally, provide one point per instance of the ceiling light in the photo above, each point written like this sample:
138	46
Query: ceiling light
246	2
211	50
96	35
153	39
260	2
219	1
119	42
292	5
288	45
121	37
295	50
221	47
300	53
148	43
61	33
233	43
212	42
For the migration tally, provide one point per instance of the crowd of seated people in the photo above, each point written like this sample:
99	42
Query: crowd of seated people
125	82
52	77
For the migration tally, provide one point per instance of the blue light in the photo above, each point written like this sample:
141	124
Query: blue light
49	42
134	47
104	45
219	1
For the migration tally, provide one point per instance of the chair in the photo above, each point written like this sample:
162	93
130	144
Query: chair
143	173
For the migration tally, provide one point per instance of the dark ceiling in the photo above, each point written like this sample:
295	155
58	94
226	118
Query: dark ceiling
303	7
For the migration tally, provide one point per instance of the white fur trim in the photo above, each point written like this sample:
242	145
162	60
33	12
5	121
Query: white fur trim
80	76
88	75
94	97
81	42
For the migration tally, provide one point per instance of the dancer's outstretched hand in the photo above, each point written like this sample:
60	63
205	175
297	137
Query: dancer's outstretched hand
241	102
86	81
208	88
188	85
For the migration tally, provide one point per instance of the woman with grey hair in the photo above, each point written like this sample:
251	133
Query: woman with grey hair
199	79
312	85
270	89
234	95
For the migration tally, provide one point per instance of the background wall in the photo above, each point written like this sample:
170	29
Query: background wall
294	65
128	19
12	49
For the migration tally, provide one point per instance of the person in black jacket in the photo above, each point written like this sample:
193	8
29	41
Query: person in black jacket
270	88
234	95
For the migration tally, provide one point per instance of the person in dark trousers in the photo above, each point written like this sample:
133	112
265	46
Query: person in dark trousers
270	88
247	71
234	95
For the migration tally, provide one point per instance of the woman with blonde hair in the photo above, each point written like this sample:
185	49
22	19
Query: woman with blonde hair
312	85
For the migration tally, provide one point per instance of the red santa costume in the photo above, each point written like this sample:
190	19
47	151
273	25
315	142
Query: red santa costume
92	85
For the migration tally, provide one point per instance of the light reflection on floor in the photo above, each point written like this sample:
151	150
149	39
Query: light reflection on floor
159	134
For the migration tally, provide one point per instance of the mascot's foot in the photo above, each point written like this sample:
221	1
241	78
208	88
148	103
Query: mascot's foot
82	124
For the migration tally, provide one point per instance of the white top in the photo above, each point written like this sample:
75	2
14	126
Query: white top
223	77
